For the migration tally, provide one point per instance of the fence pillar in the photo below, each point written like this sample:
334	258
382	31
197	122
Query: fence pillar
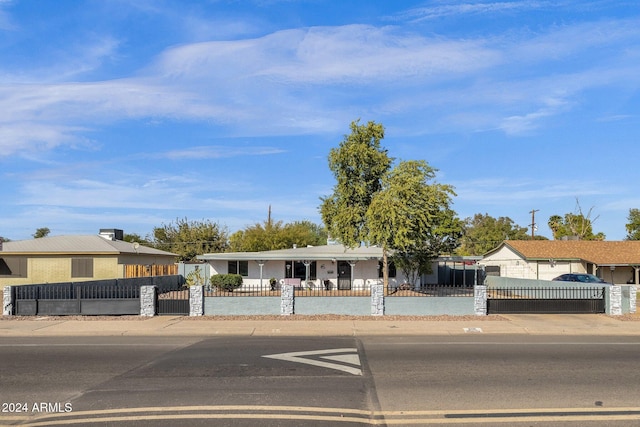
377	299
148	300
633	296
615	301
287	300
480	300
7	301
196	300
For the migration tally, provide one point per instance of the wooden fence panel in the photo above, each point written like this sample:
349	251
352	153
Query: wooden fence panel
138	270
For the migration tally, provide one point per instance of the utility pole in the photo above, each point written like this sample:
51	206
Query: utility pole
533	222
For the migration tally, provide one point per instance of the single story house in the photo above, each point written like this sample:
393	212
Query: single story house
331	266
74	258
614	261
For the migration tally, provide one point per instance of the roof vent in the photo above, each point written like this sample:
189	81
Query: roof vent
112	233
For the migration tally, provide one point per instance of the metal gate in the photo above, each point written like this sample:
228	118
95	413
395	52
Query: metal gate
173	302
568	300
63	299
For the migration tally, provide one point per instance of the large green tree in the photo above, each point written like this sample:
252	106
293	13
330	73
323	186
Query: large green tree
190	238
358	164
633	226
484	232
411	216
272	235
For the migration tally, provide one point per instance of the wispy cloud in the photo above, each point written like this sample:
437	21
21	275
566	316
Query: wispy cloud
5	21
217	152
314	80
470	8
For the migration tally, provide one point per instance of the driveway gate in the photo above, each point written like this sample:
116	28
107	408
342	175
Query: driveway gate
569	300
60	299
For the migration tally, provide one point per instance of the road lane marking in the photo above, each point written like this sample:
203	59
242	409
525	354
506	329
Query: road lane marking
339	415
345	355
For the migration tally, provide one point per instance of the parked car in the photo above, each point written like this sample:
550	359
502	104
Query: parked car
579	277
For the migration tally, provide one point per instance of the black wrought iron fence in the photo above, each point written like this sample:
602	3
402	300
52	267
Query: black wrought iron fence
429	291
546	300
246	290
108	291
546	293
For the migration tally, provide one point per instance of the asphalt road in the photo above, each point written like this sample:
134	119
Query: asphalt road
463	380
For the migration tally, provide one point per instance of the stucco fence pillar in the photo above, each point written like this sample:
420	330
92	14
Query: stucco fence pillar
377	299
287	300
7	301
480	300
148	300
196	300
614	308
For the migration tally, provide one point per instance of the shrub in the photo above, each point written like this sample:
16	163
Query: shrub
226	282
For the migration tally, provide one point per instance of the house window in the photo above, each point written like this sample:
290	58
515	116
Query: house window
238	267
81	267
297	270
392	269
13	266
492	270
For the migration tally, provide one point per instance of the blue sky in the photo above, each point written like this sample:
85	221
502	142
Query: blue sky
130	114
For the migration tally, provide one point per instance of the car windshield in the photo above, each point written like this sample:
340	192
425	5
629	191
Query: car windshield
590	278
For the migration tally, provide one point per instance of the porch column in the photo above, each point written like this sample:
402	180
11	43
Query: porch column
352	264
261	263
307	270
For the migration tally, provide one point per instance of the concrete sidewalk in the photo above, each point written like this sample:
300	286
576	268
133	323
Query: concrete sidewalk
533	324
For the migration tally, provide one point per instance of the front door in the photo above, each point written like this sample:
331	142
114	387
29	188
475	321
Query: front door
344	275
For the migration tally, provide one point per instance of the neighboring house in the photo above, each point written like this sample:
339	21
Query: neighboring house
74	258
334	266
614	261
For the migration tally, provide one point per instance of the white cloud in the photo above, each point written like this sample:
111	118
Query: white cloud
217	152
470	8
315	80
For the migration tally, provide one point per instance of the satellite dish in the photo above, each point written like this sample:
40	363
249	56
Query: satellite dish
136	245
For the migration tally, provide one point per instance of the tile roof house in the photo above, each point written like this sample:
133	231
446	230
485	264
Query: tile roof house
73	258
614	261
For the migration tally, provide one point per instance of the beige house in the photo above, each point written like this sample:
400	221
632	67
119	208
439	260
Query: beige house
614	261
74	258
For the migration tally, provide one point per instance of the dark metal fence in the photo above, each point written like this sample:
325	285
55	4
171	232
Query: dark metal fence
546	293
246	290
98	297
173	302
546	300
429	291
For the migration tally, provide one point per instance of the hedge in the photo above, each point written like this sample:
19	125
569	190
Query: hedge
226	282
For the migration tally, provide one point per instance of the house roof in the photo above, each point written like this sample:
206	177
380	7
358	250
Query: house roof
625	252
91	244
325	252
314	253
